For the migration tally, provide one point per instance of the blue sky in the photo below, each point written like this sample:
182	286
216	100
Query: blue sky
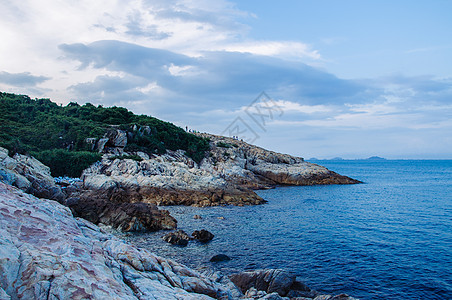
341	78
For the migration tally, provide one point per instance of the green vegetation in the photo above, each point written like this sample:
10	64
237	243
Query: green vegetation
224	145
66	163
40	127
134	157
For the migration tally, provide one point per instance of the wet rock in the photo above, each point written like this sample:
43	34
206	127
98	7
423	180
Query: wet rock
272	280
178	237
220	257
197	217
202	235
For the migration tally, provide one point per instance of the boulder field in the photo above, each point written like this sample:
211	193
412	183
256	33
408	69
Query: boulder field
47	253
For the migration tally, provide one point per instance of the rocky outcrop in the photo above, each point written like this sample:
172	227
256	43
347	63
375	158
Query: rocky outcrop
122	216
30	175
227	175
275	284
45	253
269	281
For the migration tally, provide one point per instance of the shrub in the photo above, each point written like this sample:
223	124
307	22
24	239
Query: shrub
134	157
67	163
224	145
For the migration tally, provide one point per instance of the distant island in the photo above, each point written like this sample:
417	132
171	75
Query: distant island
376	158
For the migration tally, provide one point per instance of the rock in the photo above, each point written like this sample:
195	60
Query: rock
337	297
202	235
272	280
45	253
197	217
30	175
175	179
178	237
273	296
219	258
120	215
254	293
101	144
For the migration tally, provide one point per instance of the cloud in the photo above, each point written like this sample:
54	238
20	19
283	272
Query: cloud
22	79
216	73
197	63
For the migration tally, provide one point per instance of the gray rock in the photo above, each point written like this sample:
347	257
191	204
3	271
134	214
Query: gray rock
101	144
30	175
219	179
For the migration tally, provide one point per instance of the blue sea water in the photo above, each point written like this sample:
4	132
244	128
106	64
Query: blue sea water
389	238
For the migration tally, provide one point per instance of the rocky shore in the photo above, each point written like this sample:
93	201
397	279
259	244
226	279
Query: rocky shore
46	253
124	189
228	175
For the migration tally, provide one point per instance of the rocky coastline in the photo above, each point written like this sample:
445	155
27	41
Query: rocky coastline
47	253
124	190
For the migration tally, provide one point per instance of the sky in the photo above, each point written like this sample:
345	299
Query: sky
312	78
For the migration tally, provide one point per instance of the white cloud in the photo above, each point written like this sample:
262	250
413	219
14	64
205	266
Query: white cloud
194	62
285	49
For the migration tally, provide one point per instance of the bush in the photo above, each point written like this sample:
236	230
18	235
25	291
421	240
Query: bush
224	145
67	163
134	157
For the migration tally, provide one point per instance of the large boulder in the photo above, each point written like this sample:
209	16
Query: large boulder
30	175
46	253
271	280
120	215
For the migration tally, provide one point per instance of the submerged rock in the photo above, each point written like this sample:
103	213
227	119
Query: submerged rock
219	258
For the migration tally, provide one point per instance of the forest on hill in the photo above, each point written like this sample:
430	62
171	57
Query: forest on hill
57	135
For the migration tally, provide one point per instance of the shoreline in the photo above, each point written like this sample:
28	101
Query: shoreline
81	260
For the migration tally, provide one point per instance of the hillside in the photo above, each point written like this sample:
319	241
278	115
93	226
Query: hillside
66	138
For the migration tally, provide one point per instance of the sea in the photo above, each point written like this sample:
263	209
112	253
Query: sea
387	238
